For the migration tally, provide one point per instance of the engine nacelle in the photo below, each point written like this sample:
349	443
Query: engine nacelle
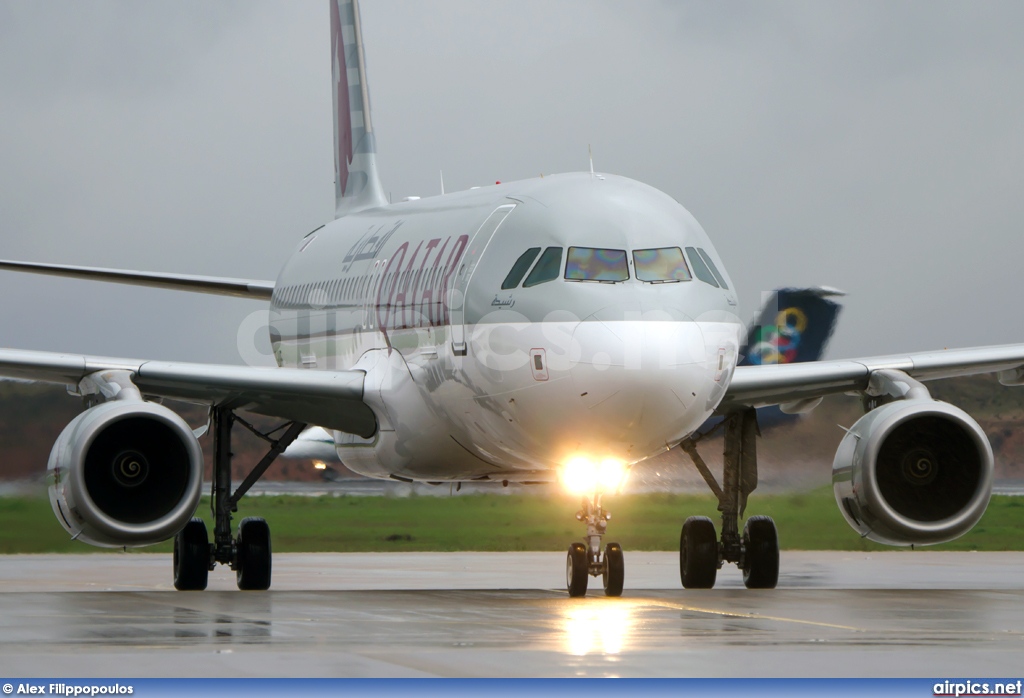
913	472
125	473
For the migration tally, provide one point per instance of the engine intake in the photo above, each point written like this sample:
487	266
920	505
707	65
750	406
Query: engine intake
913	472
125	473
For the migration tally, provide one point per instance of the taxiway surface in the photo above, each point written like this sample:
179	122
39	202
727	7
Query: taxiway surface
507	614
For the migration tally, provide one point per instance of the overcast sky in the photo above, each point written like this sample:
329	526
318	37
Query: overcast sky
872	146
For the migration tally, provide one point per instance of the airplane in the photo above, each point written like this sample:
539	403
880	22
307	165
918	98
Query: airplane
560	328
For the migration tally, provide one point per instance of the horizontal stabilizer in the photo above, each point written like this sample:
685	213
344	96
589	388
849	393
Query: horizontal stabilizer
218	286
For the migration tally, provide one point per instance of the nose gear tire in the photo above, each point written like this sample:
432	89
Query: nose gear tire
614	570
576	570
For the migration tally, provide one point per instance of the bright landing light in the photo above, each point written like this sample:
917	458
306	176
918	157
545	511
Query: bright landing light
580	475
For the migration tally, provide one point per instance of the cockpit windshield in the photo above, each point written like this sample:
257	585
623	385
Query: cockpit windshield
661	265
520	268
591	264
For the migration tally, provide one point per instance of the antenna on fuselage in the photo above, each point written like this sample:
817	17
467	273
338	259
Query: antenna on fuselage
441	172
590	152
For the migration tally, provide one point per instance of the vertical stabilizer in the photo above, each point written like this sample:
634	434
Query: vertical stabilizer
794	326
356	184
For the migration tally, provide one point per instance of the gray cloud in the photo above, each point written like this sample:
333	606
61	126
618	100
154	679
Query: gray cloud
872	146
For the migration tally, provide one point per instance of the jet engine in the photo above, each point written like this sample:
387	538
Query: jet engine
125	473
913	471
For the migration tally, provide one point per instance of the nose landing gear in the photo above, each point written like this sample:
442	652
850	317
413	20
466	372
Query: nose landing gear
587	559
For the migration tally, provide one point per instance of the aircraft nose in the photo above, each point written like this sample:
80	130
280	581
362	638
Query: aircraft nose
640	382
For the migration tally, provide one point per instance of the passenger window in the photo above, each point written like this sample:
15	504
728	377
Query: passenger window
520	268
661	265
700	269
590	264
546	269
714	269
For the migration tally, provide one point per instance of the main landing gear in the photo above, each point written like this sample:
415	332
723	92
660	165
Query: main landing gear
756	550
586	559
249	554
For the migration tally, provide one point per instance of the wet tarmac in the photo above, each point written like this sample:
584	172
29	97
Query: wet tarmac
921	614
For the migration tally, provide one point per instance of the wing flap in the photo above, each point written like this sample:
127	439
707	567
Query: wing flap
760	386
332	399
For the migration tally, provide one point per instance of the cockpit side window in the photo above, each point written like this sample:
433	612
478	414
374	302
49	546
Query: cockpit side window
700	269
520	268
714	269
661	265
591	264
546	269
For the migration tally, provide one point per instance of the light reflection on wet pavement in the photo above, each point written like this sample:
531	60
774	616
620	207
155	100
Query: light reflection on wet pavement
505	614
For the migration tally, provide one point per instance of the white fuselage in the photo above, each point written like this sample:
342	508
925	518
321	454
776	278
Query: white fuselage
470	380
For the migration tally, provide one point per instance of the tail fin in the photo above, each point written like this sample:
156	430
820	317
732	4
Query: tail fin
794	326
356	184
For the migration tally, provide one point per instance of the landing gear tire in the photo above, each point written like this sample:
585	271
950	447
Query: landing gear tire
252	569
761	556
191	557
577	570
698	553
614	570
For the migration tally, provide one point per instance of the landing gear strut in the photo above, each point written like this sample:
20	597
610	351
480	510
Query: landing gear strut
249	554
587	559
756	550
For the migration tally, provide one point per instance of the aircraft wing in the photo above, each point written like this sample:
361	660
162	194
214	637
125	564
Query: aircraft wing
758	386
332	399
216	285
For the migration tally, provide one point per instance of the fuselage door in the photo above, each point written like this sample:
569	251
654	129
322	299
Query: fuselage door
474	251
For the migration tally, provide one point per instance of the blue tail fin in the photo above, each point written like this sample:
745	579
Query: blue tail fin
794	326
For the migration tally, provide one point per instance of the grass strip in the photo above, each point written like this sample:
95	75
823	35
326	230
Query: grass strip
806	521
